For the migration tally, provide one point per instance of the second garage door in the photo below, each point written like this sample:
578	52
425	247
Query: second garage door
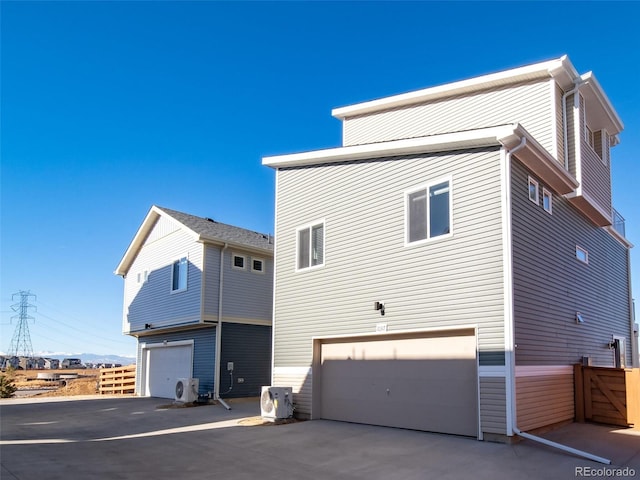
164	365
419	382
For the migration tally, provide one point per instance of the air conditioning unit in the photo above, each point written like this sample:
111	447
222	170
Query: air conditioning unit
276	403
187	390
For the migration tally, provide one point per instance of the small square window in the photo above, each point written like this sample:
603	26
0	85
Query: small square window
533	191
238	261
582	254
257	265
428	212
547	200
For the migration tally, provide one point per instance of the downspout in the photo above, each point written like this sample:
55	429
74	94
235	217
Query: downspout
565	127
511	334
216	377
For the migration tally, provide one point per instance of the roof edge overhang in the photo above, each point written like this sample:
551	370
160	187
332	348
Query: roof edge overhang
434	143
141	235
561	69
533	155
598	99
239	246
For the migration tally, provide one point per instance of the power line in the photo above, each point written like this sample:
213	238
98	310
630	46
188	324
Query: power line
21	341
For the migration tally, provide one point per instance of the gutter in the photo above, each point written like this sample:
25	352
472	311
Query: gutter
510	360
216	376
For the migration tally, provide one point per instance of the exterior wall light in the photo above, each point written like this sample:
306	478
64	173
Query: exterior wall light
379	306
579	318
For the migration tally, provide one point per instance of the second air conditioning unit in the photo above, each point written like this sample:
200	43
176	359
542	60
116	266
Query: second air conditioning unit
276	403
187	390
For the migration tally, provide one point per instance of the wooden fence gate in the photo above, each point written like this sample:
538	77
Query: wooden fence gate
607	395
120	380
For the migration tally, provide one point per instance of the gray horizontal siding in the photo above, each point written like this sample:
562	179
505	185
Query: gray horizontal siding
445	283
551	285
204	351
559	123
493	405
153	302
212	281
247	294
249	348
527	104
596	175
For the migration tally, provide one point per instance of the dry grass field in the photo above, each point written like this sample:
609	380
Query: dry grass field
85	384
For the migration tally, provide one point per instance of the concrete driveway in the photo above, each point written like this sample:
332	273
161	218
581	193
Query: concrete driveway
131	438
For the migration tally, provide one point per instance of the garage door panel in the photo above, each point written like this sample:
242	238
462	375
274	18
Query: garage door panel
415	388
164	366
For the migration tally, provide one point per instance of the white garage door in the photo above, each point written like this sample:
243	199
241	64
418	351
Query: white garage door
164	365
422	383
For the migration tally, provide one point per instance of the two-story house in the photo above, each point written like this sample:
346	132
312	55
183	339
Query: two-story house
198	297
445	268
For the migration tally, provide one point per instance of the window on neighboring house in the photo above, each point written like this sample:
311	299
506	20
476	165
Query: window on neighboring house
533	191
257	265
143	276
310	246
582	254
238	261
547	200
179	275
428	212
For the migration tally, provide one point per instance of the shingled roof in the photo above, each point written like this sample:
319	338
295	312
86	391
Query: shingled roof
202	229
209	229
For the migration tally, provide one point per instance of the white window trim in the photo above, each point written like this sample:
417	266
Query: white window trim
586	254
548	193
533	181
425	186
324	245
179	290
253	259
233	261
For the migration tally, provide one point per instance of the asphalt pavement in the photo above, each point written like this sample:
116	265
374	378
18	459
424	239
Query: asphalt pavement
140	438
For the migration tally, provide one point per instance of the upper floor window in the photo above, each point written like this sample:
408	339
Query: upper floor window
310	245
547	200
143	276
257	265
596	140
179	275
238	261
428	211
533	191
582	254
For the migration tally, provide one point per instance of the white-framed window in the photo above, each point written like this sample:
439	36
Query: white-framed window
582	254
257	265
428	211
179	274
547	200
143	277
238	261
533	191
310	245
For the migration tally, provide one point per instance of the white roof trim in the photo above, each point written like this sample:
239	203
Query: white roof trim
434	143
561	69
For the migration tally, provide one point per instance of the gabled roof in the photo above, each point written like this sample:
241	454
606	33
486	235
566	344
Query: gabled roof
205	230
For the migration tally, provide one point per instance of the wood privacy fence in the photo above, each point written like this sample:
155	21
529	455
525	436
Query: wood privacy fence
118	380
607	395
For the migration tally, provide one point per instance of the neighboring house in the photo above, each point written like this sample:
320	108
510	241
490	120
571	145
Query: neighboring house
445	268
51	363
198	297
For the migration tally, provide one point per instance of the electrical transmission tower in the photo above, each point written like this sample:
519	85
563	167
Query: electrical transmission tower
21	341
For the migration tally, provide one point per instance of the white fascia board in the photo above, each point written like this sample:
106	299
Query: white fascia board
590	79
137	242
560	68
447	141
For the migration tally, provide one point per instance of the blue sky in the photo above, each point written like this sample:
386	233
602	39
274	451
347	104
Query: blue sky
110	107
